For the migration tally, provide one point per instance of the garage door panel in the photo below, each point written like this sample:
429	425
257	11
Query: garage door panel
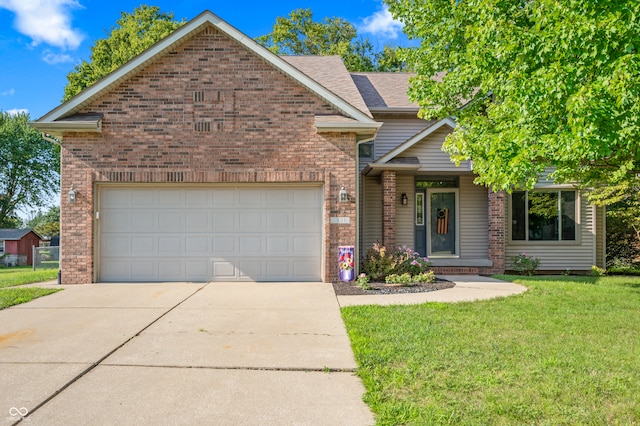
116	245
170	245
250	245
250	221
223	197
170	198
141	220
217	233
224	221
143	269
197	245
224	245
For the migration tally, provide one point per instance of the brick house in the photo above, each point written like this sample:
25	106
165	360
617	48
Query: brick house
207	157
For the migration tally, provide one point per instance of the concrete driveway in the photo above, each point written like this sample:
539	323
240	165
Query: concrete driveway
180	353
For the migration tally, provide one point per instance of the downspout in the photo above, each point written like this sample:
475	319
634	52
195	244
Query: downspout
48	138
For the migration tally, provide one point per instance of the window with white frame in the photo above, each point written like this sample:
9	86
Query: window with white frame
1	246
544	215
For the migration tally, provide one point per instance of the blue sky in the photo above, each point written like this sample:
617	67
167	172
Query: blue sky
42	40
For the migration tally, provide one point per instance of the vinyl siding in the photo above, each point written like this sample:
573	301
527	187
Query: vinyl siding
432	158
396	131
404	214
474	219
371	213
576	255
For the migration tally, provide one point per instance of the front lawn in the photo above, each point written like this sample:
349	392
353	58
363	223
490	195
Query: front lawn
16	296
565	352
18	275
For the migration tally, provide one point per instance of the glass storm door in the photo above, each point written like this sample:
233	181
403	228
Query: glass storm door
442	235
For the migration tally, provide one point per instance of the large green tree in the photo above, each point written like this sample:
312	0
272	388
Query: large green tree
133	33
46	223
544	83
299	34
29	168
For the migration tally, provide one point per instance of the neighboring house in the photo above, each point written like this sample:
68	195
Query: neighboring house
16	246
207	157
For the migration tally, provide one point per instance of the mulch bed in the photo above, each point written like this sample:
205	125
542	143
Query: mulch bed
350	289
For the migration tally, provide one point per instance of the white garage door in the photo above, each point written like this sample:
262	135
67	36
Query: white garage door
228	233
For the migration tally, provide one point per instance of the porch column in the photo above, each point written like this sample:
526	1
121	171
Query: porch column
497	212
389	209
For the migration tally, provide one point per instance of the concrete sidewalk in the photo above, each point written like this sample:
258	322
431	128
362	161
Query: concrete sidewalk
183	353
468	289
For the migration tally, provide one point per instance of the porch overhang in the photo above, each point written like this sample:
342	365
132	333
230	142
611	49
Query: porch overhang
375	169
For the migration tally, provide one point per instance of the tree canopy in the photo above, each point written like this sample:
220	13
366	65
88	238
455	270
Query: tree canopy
133	33
47	223
299	34
29	168
543	84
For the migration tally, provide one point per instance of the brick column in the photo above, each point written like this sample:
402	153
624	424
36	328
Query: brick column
497	211
389	209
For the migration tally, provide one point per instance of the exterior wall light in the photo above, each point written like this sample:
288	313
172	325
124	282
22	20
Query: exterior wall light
72	195
404	199
342	195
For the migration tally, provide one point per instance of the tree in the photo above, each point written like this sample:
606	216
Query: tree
29	168
543	83
133	34
46	223
299	34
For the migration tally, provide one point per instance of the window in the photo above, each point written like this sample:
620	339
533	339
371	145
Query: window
543	216
1	246
365	150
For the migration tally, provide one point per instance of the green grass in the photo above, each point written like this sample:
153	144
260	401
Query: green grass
16	296
18	275
565	352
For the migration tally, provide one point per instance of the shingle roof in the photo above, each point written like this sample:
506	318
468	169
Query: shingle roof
13	234
384	90
330	72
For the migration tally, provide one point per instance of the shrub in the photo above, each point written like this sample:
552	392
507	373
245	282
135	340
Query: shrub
424	277
380	262
403	279
363	282
525	265
597	271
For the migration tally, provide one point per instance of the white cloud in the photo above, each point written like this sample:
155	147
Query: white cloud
381	23
46	21
55	58
9	92
17	111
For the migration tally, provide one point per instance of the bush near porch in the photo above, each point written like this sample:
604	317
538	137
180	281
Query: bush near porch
565	352
397	266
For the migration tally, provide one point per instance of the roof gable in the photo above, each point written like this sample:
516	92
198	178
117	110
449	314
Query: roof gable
414	140
182	34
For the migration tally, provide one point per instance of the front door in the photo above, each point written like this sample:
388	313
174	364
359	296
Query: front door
436	233
441	221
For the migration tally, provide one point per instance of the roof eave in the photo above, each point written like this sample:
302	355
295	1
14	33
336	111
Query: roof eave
58	128
374	169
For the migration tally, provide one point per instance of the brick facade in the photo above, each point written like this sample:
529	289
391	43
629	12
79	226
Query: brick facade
497	211
208	111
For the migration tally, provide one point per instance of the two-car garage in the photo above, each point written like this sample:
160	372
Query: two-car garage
209	233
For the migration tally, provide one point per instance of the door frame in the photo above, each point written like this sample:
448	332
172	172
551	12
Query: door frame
456	220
